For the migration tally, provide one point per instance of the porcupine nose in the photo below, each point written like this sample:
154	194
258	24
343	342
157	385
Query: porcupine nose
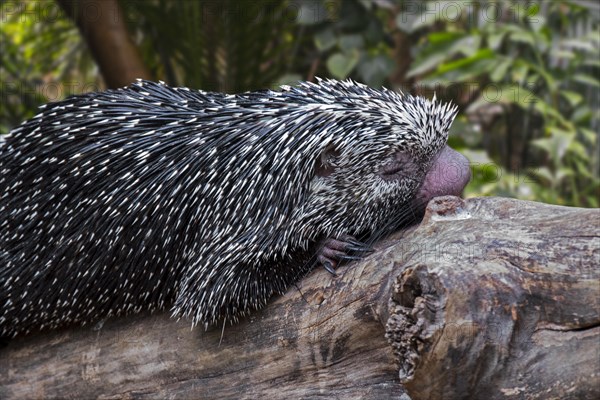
448	175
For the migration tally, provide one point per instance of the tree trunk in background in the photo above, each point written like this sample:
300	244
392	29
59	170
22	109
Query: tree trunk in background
401	56
488	298
102	25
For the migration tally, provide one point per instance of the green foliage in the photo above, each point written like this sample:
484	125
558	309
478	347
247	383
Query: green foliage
228	46
529	63
350	38
42	59
524	74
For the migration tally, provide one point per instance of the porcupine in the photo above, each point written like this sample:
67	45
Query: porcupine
152	196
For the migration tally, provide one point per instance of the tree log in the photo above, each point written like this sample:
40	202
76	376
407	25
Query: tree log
503	304
488	297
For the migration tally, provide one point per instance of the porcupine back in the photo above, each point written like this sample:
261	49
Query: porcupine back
149	196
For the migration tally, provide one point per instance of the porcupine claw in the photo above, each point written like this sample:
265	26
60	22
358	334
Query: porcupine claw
335	250
329	267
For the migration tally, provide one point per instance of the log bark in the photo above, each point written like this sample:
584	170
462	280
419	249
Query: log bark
504	304
489	297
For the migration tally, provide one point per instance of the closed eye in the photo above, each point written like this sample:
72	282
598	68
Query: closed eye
399	165
391	169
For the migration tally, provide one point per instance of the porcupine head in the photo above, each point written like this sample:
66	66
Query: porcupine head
151	196
340	160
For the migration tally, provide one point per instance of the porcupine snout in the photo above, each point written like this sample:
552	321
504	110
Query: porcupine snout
448	175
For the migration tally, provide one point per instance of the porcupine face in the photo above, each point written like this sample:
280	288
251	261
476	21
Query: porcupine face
370	174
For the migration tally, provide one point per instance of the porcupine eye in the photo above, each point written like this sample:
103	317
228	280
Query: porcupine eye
399	166
325	163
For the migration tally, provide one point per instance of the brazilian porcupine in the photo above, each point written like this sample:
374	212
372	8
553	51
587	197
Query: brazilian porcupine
152	196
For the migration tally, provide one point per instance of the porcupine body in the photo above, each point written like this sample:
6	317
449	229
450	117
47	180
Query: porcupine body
151	196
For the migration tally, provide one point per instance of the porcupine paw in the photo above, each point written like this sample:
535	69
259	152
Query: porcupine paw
346	248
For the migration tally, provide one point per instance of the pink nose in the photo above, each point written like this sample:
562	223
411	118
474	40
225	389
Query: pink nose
448	175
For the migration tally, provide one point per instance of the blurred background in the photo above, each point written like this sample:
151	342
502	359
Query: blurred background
525	74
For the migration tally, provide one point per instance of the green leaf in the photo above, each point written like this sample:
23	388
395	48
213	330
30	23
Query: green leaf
563	172
311	13
374	70
537	23
444	37
564	54
423	20
586	79
498	73
426	64
349	43
543	173
532	10
405	21
340	65
578	149
546	75
590	135
547	110
583	169
578	44
464	62
593	35
468	45
519	71
367	4
523	37
374	34
573	98
581	114
325	39
592	63
495	40
513	94
560	142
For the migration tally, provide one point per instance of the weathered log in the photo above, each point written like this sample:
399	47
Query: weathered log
487	297
502	304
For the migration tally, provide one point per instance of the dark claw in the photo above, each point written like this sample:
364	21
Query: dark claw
355	242
329	268
345	248
359	248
